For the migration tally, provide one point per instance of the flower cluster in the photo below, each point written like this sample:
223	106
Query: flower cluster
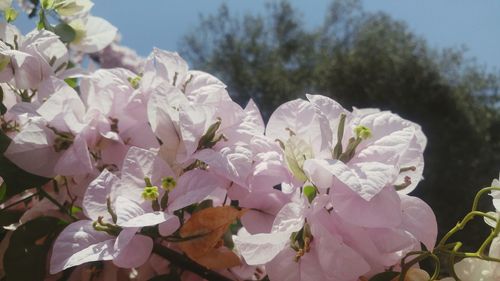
144	156
348	194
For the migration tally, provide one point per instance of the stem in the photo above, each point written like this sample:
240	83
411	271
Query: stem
17	202
421	255
487	242
462	224
337	150
480	193
54	201
114	217
405	266
186	263
437	267
469	255
183	239
455	247
451	260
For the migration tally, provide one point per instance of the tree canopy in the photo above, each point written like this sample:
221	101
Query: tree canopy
365	59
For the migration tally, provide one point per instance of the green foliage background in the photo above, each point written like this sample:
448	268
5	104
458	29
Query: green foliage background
367	60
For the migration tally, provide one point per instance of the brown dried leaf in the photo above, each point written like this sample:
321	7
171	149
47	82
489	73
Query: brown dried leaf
219	258
210	224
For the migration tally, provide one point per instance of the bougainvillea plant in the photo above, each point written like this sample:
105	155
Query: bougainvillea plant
117	167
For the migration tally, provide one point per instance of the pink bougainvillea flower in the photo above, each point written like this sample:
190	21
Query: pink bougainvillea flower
360	166
110	97
328	259
495	194
195	186
56	137
474	269
323	190
116	55
360	193
312	128
92	34
125	195
419	220
85	241
263	206
75	137
297	246
261	248
301	119
392	137
27	61
188	104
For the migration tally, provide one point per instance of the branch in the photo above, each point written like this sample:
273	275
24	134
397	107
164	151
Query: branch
186	263
4	207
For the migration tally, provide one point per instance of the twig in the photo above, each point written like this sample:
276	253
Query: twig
54	201
186	263
17	202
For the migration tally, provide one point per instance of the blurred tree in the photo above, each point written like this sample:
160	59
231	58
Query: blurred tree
366	60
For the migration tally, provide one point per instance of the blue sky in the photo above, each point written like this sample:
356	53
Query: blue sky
443	23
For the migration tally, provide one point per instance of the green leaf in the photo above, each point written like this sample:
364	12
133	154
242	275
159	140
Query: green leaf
310	192
41	20
26	256
40	25
34	10
65	32
3	191
47	4
203	205
75	210
228	239
43	23
385	276
72	82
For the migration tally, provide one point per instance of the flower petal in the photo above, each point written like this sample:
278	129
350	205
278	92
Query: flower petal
80	243
135	253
